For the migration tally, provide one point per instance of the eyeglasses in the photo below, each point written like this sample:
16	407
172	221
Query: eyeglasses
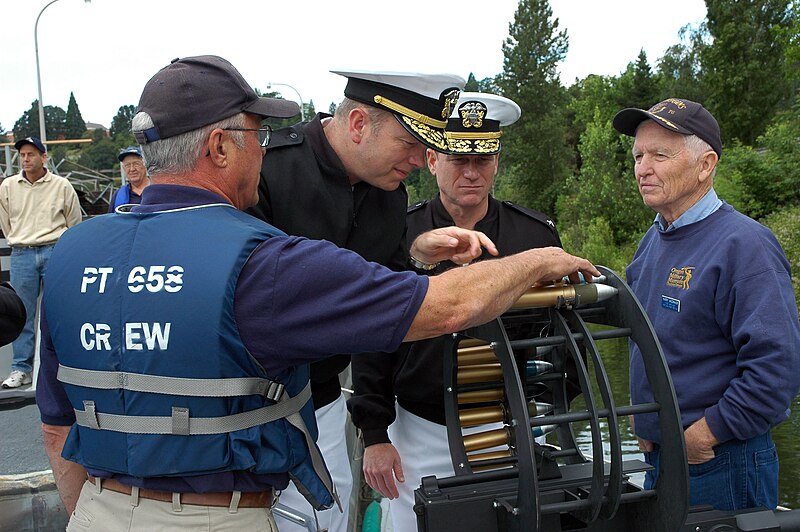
264	133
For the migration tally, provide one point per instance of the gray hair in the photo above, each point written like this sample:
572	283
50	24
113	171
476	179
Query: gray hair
179	154
696	148
377	116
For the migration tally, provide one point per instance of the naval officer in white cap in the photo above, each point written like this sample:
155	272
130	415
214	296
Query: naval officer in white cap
339	178
399	401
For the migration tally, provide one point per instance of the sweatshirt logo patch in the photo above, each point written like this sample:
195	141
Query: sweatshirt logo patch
679	277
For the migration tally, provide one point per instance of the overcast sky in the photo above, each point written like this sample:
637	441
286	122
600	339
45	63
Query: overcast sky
105	51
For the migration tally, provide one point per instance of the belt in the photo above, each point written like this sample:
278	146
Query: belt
33	246
249	499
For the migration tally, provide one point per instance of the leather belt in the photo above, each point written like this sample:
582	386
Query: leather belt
32	246
256	499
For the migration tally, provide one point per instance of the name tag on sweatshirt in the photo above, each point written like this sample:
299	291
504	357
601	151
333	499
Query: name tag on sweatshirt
670	303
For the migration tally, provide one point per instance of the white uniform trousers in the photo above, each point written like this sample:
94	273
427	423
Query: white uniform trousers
331	420
424	451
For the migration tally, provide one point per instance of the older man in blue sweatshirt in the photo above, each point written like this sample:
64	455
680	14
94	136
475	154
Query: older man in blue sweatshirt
717	287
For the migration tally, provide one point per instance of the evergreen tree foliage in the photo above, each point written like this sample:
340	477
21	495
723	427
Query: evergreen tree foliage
472	84
74	125
744	71
761	179
588	96
308	110
605	188
101	154
790	36
421	185
637	86
678	72
785	223
28	124
534	148
121	123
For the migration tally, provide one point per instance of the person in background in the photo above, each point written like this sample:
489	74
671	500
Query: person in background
415	444
36	207
717	287
348	170
177	378
133	165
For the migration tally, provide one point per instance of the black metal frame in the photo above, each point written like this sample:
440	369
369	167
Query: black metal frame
537	492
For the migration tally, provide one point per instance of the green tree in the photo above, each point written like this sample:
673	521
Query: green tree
678	72
100	154
28	124
588	96
488	85
472	84
785	223
308	110
605	188
421	185
791	39
534	148
121	123
74	125
637	86
762	179
744	70
332	108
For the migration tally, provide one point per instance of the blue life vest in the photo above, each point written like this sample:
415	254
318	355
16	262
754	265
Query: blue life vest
140	308
123	196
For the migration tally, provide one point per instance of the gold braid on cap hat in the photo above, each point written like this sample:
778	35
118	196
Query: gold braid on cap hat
434	137
405	111
473	134
475	146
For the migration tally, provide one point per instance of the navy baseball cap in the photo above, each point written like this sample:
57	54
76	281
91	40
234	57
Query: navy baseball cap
33	141
193	92
130	150
674	114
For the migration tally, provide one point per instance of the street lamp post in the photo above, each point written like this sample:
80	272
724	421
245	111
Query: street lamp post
302	111
42	133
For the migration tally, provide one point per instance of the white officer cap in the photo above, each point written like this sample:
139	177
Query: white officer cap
421	102
474	125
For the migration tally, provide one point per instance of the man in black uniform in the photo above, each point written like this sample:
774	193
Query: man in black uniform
464	174
339	178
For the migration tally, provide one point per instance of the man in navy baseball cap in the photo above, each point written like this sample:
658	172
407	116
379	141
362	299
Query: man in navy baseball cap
717	287
33	141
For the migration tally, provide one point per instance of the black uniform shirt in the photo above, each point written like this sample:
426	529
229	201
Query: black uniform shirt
414	373
305	191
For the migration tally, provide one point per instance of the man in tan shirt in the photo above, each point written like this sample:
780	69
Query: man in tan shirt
36	207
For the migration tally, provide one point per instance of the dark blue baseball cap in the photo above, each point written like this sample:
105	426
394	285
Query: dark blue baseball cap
33	141
673	114
130	150
193	92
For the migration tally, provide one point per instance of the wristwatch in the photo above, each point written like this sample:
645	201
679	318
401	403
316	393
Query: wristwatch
418	264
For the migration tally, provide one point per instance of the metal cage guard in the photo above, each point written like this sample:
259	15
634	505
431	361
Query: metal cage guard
532	487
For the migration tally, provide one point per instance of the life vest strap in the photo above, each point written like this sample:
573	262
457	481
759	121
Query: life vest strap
180	422
137	382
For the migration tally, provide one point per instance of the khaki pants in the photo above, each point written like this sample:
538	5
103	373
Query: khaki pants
109	511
